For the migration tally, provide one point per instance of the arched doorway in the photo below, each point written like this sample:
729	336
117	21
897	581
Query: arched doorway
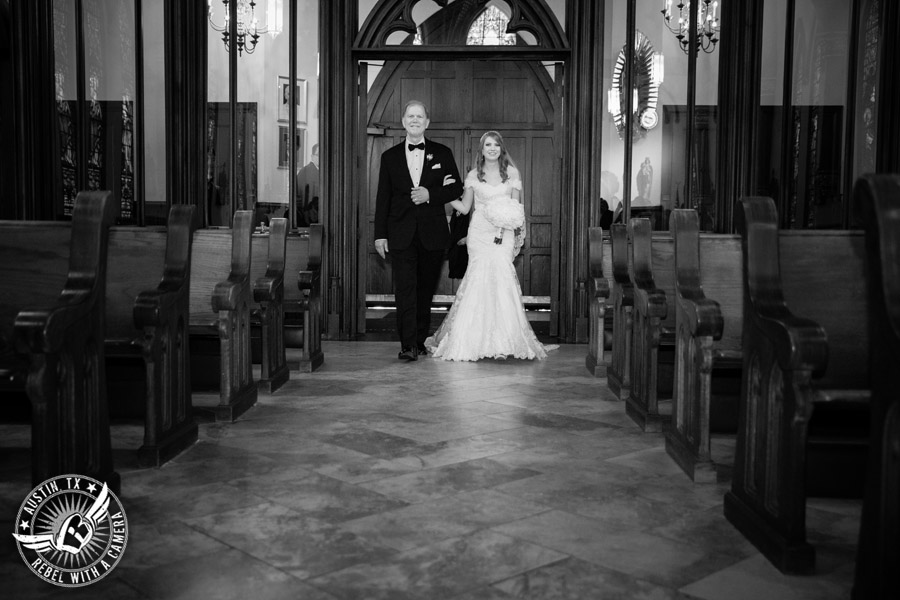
384	39
511	83
467	98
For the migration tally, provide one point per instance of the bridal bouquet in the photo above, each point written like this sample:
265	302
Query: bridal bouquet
504	213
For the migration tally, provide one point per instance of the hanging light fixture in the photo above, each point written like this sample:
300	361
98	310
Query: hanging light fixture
678	19
247	30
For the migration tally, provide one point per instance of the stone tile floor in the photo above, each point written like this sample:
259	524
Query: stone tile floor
376	479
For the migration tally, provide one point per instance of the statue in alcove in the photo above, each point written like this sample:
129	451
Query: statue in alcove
644	183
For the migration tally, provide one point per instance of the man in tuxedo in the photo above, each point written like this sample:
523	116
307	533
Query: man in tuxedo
417	178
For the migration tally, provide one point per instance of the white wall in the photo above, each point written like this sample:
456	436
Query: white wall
258	82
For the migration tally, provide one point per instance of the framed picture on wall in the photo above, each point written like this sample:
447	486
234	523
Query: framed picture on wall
284	154
283	99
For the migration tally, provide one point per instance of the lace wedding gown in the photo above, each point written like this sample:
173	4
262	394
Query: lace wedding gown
487	319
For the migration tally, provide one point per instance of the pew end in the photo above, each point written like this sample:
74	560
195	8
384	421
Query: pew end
268	311
618	374
708	322
599	289
303	329
878	551
148	364
221	296
651	265
52	321
804	333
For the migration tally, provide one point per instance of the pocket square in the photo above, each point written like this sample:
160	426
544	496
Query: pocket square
436	166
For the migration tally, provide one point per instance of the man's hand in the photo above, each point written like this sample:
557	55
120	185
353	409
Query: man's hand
381	246
420	195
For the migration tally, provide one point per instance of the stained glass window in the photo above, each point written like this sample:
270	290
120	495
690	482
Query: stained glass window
489	29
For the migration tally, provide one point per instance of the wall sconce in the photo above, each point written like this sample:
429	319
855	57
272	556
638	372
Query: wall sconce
274	17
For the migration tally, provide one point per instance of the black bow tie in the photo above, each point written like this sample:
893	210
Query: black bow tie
419	146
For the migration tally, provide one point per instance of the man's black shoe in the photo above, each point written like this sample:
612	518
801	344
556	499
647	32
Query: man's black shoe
422	350
408	354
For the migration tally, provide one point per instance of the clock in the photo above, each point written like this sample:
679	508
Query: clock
649	118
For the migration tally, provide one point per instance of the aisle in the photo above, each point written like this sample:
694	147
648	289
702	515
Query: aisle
378	479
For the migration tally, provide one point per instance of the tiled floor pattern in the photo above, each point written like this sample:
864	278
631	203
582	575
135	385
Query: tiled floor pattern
376	479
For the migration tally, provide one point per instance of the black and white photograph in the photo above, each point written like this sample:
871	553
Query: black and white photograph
284	96
450	299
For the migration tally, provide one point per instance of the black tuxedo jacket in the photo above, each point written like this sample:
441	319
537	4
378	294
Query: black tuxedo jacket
397	219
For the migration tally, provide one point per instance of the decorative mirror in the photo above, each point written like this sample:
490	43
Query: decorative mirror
648	75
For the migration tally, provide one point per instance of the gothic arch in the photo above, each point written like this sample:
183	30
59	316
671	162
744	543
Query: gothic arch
454	32
533	16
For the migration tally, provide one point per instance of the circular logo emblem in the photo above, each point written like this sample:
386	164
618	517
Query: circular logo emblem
71	530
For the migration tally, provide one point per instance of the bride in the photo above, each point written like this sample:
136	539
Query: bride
487	319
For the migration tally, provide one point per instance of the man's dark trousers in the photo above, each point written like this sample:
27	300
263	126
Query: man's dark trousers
416	271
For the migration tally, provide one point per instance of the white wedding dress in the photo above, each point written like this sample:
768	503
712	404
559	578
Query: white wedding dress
487	319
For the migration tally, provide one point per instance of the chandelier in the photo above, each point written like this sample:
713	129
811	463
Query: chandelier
247	30
678	22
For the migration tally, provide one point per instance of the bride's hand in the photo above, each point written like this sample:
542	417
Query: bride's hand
462	242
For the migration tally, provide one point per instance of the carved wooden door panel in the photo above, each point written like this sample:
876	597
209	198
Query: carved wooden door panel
531	151
379	287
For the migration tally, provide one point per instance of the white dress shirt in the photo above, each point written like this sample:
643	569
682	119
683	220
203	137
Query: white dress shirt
415	160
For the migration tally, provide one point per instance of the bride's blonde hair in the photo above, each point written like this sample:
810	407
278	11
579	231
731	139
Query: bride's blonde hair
505	161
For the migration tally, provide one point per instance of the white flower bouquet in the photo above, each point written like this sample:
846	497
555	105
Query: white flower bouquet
505	213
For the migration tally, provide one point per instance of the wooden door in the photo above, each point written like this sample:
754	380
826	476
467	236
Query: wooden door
379	286
532	152
465	99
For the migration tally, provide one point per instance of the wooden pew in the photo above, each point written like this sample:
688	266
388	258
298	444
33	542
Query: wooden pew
597	361
52	319
709	302
269	253
618	374
813	328
221	295
652	261
303	301
147	358
878	552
